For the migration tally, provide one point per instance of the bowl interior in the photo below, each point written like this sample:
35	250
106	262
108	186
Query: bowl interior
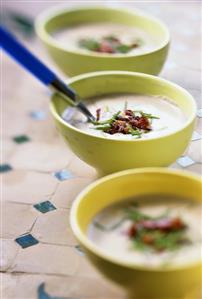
103	83
55	20
127	184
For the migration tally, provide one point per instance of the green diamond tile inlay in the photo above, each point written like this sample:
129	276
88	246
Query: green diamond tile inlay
21	139
45	206
26	241
5	167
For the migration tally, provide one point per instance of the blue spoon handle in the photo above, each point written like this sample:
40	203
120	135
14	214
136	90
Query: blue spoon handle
25	58
30	62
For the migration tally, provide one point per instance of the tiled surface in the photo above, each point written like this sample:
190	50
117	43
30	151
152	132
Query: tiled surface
56	260
44	207
65	287
26	240
23	186
53	228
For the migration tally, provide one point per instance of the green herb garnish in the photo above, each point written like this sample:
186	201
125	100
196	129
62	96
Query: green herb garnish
108	121
169	241
89	44
123	49
159	233
108	44
130	122
135	215
147	115
134	132
103	127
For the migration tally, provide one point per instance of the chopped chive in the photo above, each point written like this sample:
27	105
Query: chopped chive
89	44
103	127
135	132
123	49
135	215
148	115
125	105
108	121
106	109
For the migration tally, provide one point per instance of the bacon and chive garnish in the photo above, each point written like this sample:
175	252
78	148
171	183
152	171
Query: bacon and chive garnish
108	44
128	121
159	234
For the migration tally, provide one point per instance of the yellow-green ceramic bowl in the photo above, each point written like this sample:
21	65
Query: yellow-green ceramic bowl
107	155
140	282
77	62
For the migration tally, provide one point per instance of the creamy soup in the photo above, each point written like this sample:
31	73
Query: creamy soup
129	117
155	231
108	38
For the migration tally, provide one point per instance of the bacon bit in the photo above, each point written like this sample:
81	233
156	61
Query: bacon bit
119	117
129	112
177	223
105	47
127	122
141	123
132	231
118	126
134	45
98	111
149	224
147	239
163	224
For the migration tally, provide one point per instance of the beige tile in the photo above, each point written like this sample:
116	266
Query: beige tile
24	286
82	169
9	251
45	130
85	287
17	219
197	168
53	227
195	151
27	186
49	259
24	95
199	120
86	269
68	190
19	122
8	148
41	156
47	152
18	286
181	77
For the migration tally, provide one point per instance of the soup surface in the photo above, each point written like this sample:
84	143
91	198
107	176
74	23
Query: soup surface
108	38
129	117
155	231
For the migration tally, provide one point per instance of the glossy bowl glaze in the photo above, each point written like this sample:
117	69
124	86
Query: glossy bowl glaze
175	282
74	62
107	155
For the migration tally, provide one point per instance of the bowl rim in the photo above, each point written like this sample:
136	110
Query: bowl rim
47	15
189	120
90	245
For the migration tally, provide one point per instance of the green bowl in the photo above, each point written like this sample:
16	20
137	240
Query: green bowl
108	155
141	282
76	62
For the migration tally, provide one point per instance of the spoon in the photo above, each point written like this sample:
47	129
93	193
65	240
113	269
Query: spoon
30	62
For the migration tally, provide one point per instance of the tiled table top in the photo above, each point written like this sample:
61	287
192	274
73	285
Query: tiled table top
41	176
